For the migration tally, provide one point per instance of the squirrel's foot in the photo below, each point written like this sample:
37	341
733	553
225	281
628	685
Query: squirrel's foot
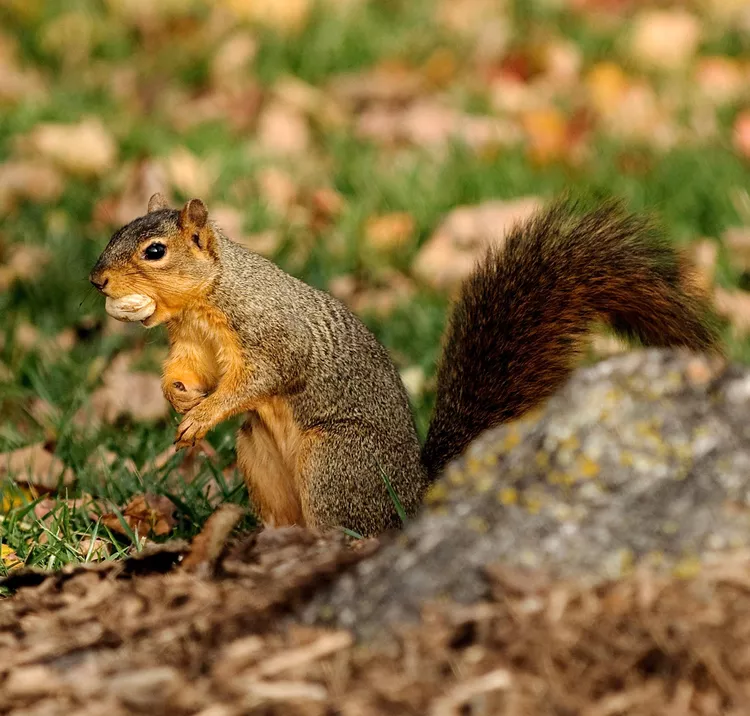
193	428
183	398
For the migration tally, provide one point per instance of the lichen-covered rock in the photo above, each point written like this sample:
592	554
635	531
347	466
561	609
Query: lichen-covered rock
644	458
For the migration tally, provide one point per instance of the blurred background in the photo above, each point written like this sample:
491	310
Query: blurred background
371	147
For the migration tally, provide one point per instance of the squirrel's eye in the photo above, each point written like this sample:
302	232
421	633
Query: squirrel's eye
154	252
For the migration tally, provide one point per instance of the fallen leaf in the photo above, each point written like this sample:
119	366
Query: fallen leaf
142	180
392	290
94	508
282	130
414	380
484	23
36	466
266	243
9	559
319	106
287	16
134	394
451	252
704	255
104	461
389	231
145	515
189	463
86	148
12	496
17	83
95	551
24	262
547	135
721	80
232	60
326	204
607	86
741	134
433	125
735	306
737	241
665	39
277	189
191	176
30	180
388	84
208	545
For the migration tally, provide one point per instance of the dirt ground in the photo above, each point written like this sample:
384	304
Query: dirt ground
217	634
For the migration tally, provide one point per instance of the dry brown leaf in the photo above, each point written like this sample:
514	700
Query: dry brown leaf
278	190
414	380
287	16
134	394
737	242
452	251
146	515
547	135
28	180
325	205
319	106
17	83
721	80
104	461
266	243
209	544
92	506
142	180
430	124
86	148
388	84
95	551
741	134
665	39
35	465
705	254
391	290
233	58
282	130
191	176
24	262
735	306
189	464
389	231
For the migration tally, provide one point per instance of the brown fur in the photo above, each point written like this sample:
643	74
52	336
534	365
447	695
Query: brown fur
327	414
524	314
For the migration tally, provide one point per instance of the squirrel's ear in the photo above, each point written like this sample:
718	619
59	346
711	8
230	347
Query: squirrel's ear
157	202
194	215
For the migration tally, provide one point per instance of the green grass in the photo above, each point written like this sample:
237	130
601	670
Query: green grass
690	188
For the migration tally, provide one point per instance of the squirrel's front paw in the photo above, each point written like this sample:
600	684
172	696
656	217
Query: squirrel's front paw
182	397
193	428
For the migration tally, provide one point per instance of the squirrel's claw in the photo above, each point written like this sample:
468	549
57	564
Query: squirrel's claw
191	430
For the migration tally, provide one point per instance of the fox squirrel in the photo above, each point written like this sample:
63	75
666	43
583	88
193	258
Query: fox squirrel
327	413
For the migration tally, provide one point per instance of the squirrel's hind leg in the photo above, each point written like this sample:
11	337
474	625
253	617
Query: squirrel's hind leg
341	472
272	488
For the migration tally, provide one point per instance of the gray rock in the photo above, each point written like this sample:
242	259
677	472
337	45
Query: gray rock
643	458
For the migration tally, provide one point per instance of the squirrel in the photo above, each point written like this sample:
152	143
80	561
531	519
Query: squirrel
327	416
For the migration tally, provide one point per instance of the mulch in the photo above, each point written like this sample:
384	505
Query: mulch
152	635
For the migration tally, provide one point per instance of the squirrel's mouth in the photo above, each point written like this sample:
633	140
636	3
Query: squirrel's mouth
131	308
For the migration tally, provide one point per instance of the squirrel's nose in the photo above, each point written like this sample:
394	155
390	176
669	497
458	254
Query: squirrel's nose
98	282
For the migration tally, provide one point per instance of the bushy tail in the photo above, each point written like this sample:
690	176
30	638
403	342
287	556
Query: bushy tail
523	315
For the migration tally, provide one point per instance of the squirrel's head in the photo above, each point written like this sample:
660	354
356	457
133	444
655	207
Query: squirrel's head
168	255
